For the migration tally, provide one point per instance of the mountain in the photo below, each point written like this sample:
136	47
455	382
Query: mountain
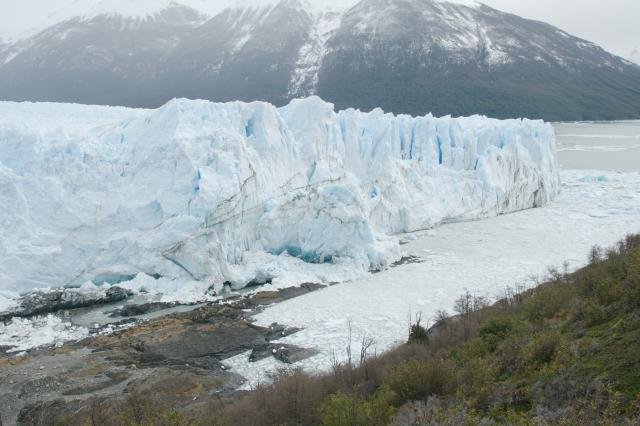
406	56
102	59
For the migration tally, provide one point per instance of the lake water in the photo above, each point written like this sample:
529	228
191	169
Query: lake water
611	146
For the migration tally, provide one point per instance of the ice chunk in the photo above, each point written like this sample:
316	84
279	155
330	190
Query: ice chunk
22	334
8	301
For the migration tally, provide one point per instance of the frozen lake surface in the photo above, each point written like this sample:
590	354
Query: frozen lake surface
602	146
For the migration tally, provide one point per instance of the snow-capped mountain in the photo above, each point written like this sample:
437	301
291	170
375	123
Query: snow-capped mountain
407	56
138	9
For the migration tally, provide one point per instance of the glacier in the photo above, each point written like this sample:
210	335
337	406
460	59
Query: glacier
213	194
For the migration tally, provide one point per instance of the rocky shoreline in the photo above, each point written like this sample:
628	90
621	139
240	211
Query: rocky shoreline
183	352
44	302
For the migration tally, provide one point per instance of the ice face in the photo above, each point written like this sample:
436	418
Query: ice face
193	190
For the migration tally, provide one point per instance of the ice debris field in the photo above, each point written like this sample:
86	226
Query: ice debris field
196	195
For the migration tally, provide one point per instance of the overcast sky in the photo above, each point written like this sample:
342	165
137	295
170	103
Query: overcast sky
614	24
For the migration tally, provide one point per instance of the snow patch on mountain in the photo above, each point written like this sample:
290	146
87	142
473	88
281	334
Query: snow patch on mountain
132	9
57	11
243	193
305	77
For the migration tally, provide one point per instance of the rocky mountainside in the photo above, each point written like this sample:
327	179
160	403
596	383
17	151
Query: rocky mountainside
406	56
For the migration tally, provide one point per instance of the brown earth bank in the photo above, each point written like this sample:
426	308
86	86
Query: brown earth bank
177	360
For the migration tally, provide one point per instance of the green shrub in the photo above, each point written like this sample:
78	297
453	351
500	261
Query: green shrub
418	334
543	349
415	380
493	331
608	291
64	421
341	409
548	301
595	314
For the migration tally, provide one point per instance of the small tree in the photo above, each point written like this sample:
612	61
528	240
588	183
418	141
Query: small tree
466	305
417	333
441	316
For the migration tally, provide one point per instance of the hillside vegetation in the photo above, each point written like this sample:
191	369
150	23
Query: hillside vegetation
566	352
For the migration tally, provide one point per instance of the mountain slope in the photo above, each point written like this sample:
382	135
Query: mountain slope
422	56
104	59
406	56
242	54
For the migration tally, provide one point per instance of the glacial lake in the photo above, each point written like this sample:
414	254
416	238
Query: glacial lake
613	146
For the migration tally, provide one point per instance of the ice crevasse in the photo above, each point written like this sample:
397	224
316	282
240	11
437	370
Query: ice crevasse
194	190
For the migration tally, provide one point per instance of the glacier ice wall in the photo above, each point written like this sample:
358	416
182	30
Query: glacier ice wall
187	190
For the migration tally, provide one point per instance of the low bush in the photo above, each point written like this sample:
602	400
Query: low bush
542	349
341	409
495	330
415	380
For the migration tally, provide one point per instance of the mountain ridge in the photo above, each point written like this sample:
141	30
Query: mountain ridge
406	56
